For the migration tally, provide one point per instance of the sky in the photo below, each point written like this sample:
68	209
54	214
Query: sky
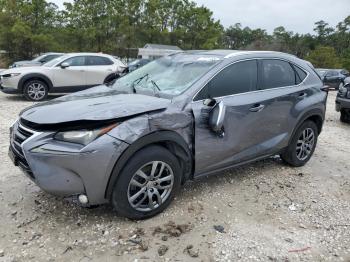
298	16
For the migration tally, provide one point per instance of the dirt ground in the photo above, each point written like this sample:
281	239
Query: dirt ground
265	211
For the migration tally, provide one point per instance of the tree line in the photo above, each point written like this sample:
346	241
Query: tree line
31	27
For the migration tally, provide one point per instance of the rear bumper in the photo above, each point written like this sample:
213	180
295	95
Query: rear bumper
342	103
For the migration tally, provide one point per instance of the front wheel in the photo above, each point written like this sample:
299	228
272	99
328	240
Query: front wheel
302	145
35	90
147	184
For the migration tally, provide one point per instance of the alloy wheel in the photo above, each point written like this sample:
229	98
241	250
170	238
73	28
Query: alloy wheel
150	186
305	144
36	91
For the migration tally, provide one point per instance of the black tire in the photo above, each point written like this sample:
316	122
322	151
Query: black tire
29	90
290	155
110	79
120	200
345	116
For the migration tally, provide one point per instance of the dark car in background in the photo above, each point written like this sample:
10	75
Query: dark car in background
132	66
38	61
342	103
333	77
178	118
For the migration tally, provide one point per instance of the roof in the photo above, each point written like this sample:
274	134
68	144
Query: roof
165	47
224	53
88	54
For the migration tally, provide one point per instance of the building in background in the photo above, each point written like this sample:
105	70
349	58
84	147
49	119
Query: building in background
153	51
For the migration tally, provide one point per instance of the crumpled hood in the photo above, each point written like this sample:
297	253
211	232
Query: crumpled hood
95	104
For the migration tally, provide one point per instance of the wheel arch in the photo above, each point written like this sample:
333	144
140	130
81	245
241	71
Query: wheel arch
34	76
168	139
110	77
315	115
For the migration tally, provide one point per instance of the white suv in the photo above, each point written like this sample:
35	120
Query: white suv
68	73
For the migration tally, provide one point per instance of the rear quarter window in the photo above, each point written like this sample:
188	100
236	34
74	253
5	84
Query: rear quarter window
300	74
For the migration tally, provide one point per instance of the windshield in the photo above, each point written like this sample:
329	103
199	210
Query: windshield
56	60
170	75
37	59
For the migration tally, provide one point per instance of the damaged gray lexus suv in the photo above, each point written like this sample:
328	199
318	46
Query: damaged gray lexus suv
134	143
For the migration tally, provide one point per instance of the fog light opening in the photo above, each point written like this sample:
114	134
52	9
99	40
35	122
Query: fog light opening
83	199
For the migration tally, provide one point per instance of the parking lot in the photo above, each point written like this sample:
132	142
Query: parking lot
263	211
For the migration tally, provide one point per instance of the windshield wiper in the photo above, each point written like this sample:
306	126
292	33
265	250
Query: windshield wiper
138	80
154	85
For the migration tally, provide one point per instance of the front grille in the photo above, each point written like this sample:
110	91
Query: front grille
19	135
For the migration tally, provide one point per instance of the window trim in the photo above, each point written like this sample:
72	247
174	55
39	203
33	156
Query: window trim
110	60
258	90
260	72
59	64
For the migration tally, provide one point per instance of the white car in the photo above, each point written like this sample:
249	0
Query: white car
65	74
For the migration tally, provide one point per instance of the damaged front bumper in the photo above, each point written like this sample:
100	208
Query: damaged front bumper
65	169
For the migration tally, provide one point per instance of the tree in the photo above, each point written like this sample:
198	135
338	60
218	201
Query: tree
324	57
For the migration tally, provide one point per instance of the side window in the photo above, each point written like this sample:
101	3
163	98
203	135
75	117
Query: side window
75	61
300	74
238	78
97	61
45	59
277	73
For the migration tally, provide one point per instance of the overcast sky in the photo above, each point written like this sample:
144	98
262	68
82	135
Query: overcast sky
295	15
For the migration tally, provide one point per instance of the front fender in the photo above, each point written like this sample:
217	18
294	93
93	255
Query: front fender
27	77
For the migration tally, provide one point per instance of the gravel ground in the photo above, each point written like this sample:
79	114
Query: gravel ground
259	212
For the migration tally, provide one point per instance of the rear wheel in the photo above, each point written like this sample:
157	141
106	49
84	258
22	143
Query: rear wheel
302	145
35	90
147	184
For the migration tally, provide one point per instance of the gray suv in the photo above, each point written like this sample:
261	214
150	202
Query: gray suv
181	117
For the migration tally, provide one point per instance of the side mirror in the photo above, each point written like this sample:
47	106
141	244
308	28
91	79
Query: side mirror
64	65
217	117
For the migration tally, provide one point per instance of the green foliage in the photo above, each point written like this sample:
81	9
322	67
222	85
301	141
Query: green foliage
330	47
324	57
30	27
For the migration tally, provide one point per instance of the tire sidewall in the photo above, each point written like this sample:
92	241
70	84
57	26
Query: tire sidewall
291	155
26	86
119	198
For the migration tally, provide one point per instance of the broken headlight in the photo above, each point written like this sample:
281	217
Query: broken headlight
83	137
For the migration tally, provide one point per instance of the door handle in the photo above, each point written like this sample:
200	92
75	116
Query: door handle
81	70
302	95
257	108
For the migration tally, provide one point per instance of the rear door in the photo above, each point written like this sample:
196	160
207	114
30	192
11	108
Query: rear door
72	78
97	69
280	91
